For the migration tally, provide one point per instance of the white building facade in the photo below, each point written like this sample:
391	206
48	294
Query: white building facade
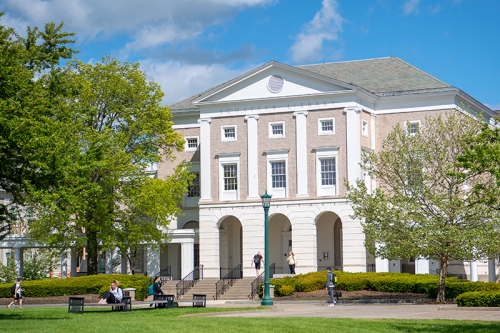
298	132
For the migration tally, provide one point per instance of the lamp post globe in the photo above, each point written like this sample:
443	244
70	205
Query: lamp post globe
266	203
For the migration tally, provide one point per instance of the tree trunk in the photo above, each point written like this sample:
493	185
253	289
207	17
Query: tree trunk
131	260
92	253
442	281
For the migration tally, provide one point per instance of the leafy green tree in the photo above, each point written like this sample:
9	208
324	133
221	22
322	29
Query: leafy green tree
422	207
118	128
482	158
38	263
8	273
32	112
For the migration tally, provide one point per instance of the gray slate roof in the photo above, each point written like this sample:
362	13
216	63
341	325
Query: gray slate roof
381	76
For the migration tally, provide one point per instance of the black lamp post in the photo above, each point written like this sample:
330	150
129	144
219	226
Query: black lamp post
266	203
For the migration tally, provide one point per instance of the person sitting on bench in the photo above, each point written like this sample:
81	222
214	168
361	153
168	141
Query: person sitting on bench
114	295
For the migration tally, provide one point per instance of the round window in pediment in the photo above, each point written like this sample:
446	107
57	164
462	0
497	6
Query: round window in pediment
275	83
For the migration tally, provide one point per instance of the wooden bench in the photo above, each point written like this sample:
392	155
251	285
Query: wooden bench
163	301
77	304
198	301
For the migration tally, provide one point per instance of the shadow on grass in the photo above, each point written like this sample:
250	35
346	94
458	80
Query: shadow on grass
447	326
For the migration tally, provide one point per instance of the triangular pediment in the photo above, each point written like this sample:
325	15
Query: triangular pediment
273	80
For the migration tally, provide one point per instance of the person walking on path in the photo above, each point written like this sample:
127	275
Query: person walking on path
291	262
330	285
17	294
114	295
257	259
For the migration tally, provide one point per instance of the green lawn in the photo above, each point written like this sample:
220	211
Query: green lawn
40	320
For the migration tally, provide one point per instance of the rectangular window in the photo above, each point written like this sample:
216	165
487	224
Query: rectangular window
191	143
278	174
412	127
326	126
277	130
328	171
194	189
228	133
230	177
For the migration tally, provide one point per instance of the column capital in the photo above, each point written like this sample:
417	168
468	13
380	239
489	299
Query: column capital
204	120
252	116
299	113
355	109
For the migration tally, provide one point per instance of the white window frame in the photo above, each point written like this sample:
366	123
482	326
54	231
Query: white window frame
226	159
193	201
186	146
277	156
320	126
276	136
408	123
327	153
223	133
364	127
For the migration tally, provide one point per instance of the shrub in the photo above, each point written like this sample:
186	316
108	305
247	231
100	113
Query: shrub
95	284
479	298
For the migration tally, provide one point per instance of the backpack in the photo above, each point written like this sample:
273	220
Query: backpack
256	259
151	289
13	290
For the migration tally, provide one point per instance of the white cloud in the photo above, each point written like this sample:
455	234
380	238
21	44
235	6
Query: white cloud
148	22
180	80
323	28
411	7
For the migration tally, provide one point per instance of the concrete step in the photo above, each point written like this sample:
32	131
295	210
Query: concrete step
205	286
240	290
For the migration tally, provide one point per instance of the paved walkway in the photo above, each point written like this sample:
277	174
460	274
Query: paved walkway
345	310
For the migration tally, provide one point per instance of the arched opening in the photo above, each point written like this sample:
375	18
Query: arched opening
230	244
280	242
329	241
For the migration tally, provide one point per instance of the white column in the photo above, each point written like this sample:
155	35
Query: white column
253	157
473	271
153	260
353	247
64	265
381	265
301	139
205	159
492	275
353	144
422	266
18	260
187	257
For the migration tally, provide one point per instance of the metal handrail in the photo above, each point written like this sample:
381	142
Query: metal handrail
228	280
260	279
188	281
165	275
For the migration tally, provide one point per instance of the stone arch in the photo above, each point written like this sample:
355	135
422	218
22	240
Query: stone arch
280	241
329	241
230	243
191	225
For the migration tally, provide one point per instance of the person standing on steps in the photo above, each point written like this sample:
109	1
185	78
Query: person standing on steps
291	262
17	294
330	285
257	260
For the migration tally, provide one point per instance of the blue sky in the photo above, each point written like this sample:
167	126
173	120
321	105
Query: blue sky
190	45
